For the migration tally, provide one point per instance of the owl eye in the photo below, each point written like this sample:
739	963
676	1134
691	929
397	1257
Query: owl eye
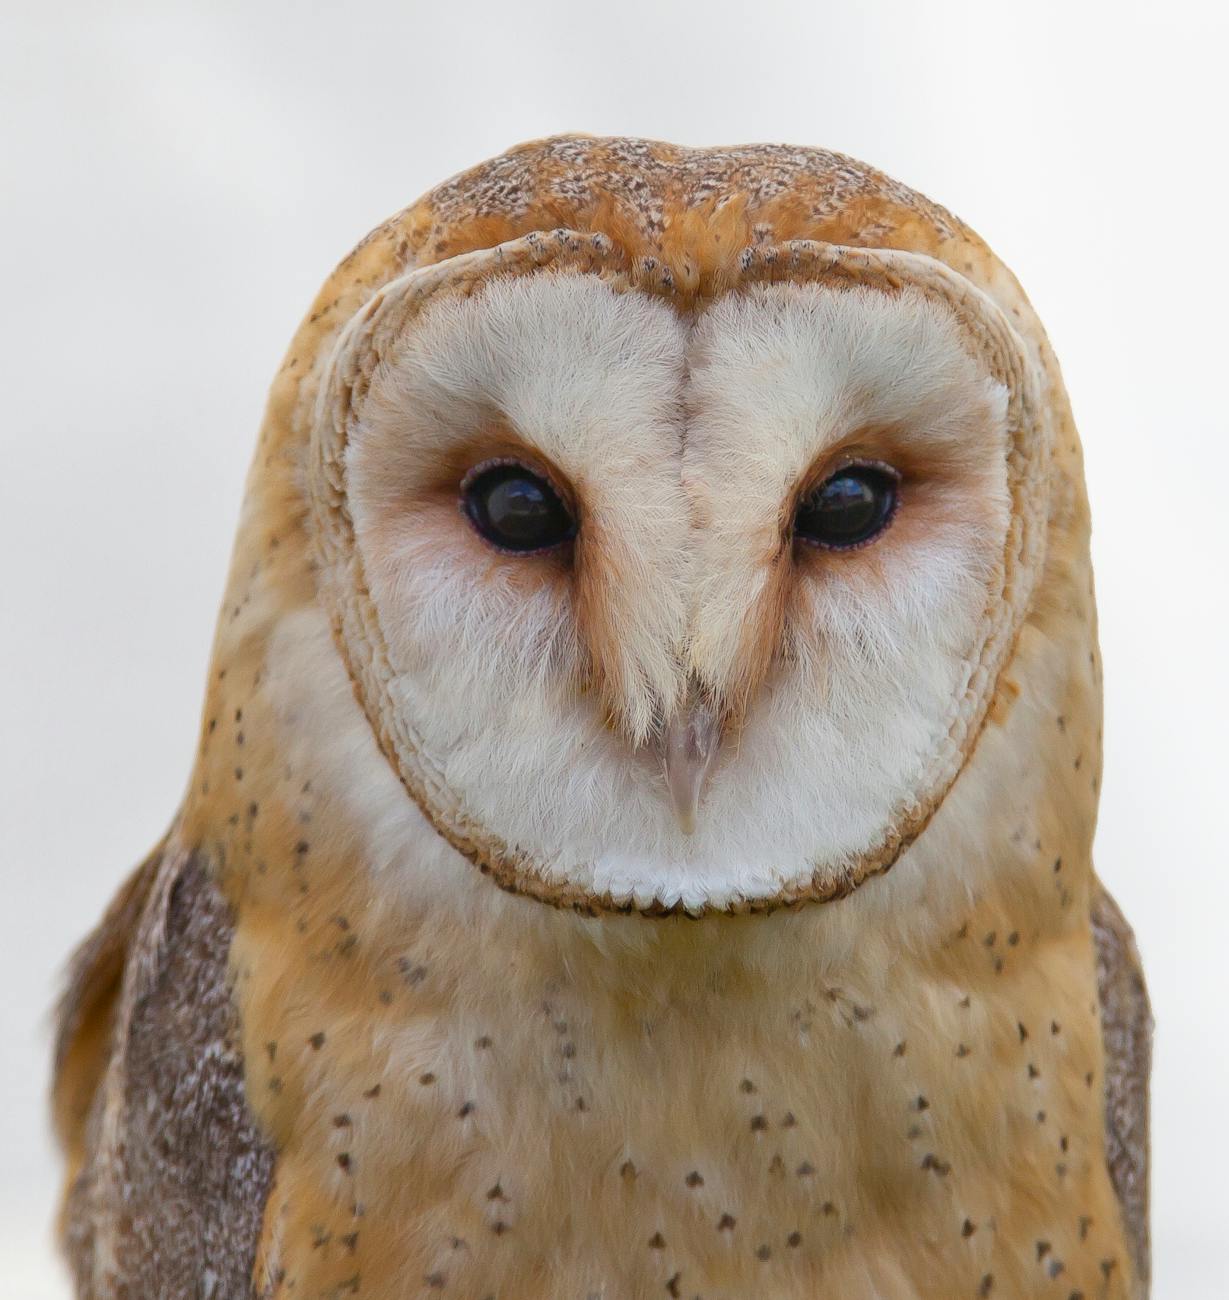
850	508
515	509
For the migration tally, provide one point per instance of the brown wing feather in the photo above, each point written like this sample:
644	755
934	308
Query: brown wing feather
1126	1028
86	1013
168	1172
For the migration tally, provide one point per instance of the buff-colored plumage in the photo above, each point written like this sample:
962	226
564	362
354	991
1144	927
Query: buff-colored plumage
314	1051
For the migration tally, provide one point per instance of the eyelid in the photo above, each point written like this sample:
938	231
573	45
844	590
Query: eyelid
851	461
475	472
531	465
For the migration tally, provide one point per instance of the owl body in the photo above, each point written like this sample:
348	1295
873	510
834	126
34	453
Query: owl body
434	987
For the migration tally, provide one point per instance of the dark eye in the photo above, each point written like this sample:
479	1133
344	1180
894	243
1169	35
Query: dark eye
849	509
515	509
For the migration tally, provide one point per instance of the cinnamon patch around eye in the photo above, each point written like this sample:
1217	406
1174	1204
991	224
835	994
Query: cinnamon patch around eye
445	468
423	508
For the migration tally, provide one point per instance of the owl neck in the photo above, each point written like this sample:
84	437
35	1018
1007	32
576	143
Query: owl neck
896	1066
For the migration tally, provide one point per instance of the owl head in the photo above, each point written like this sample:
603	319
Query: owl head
675	513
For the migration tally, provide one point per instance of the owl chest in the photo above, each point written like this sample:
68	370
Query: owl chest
712	1146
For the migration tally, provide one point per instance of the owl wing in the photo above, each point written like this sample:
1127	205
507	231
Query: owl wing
86	1012
1126	1030
167	1171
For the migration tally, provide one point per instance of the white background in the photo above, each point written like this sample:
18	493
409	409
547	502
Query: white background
179	178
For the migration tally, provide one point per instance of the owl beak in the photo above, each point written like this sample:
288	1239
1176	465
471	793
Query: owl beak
688	745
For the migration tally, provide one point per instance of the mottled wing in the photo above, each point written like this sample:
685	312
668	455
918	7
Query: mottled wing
86	1013
168	1174
1126	1028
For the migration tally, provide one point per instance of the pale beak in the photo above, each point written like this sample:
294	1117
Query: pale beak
688	746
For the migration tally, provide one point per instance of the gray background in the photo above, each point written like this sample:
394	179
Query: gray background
178	179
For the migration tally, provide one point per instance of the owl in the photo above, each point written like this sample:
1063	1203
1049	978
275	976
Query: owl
639	843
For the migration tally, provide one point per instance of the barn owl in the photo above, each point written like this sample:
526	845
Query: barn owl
639	843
